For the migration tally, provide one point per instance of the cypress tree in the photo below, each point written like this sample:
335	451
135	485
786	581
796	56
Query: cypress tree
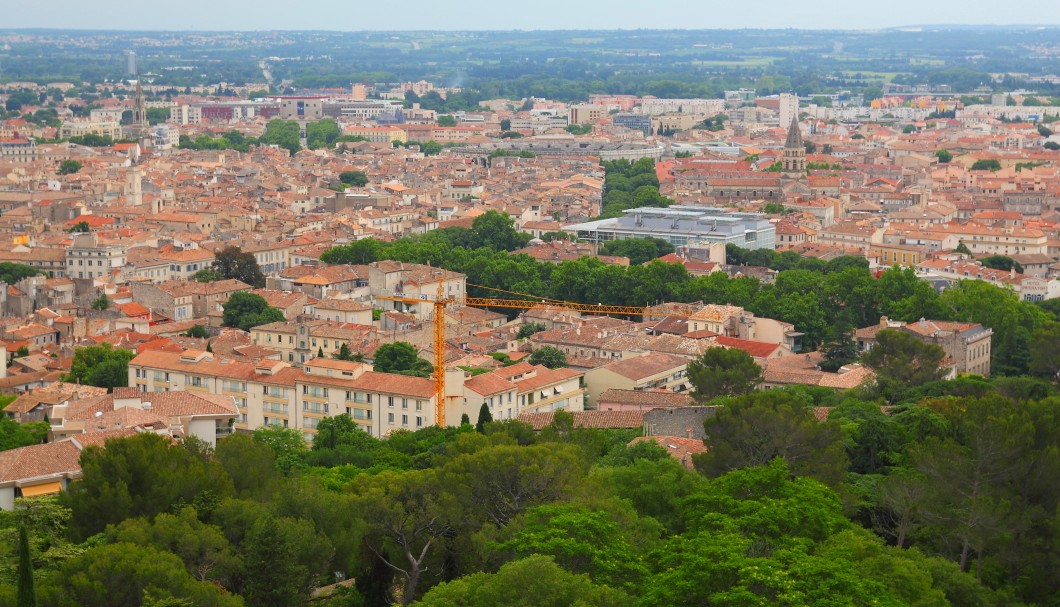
27	594
484	417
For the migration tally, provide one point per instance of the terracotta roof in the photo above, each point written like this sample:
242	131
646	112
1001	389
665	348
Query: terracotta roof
680	448
640	367
644	398
589	419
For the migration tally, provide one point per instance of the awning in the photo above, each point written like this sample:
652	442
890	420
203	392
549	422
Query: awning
44	489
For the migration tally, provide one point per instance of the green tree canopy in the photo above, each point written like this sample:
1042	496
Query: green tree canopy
119	575
902	361
69	167
353	178
103	366
551	357
123	480
246	310
401	357
723	372
754	429
537	579
11	273
638	250
233	263
986	164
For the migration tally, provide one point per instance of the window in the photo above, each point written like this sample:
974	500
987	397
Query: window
390	417
404	403
419	421
390	401
404	420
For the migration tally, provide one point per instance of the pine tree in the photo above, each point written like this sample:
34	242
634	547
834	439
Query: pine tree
465	420
320	352
484	417
27	594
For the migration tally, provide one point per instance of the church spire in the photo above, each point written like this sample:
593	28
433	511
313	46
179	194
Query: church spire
794	162
794	134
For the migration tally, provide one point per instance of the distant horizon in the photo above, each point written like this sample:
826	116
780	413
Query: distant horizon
548	15
909	27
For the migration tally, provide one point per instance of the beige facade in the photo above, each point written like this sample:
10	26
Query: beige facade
639	371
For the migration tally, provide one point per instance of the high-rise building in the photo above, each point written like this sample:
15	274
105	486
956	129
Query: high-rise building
130	63
789	108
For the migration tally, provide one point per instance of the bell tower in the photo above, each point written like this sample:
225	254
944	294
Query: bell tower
794	163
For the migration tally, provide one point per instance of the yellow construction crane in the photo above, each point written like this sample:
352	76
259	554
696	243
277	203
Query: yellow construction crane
441	302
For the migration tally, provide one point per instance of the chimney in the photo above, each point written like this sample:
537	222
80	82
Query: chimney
688	432
884	321
923	323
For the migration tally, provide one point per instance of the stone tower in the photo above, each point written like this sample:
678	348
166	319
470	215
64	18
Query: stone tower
794	164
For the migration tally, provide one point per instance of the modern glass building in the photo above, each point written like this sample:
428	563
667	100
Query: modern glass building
683	225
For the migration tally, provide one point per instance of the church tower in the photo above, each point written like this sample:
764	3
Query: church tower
139	119
794	164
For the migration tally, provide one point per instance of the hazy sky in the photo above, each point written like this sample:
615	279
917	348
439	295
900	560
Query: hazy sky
539	14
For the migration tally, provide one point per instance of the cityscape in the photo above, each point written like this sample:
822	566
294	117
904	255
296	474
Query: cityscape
541	316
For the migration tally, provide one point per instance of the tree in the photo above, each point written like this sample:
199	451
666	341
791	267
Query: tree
321	133
901	361
754	429
69	167
500	483
1051	145
723	372
246	310
446	120
233	263
356	179
986	164
638	250
407	519
581	540
401	357
345	353
80	227
288	445
551	357
529	329
14	434
497	231
207	275
207	553
284	134
103	366
962	248
362	251
1045	356
100	304
119	575
11	273
283	556
484	417
198	331
944	156
123	480
839	349
536	580
27	593
506	124
1001	262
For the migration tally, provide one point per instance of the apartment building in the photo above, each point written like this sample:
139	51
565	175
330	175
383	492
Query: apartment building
967	345
412	281
524	388
87	258
273	392
650	371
